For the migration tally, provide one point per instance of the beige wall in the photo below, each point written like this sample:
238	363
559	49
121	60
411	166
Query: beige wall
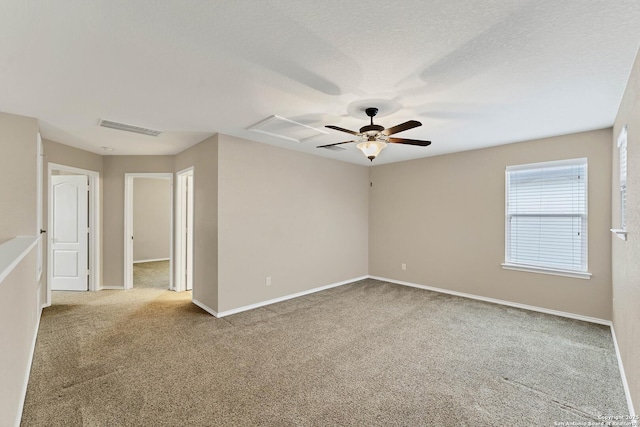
444	217
70	156
298	218
204	159
115	168
17	163
19	304
626	254
151	219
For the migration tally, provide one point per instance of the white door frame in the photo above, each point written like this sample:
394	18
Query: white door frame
95	258
181	212
39	211
128	224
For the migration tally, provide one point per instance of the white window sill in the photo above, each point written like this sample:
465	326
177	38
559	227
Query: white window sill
546	270
622	234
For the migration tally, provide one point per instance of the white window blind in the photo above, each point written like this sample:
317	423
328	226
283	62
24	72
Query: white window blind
546	215
622	149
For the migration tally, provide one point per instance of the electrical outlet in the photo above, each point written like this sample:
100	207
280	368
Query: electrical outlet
268	281
404	266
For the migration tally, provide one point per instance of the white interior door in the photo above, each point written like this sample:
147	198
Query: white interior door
189	234
69	236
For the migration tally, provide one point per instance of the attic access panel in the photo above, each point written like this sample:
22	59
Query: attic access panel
280	127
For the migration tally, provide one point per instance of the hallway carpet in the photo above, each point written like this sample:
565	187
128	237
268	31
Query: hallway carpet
154	274
368	354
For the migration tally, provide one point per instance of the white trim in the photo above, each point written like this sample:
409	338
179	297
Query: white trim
413	285
180	230
115	288
623	173
551	164
95	227
287	297
151	260
39	207
627	393
205	307
13	251
622	136
622	234
582	161
545	270
498	301
128	224
32	351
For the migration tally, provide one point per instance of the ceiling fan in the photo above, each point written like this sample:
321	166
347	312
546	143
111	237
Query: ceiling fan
373	138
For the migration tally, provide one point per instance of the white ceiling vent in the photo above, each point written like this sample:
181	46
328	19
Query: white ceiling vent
128	128
280	127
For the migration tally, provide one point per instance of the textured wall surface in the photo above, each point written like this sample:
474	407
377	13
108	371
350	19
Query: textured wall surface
626	254
20	303
17	163
204	159
444	217
300	219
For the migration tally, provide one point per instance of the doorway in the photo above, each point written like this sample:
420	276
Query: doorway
73	241
184	230
148	239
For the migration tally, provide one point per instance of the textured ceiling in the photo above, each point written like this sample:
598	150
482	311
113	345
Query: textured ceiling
476	74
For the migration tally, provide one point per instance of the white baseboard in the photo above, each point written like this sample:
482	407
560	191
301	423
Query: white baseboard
287	297
117	288
151	260
499	301
627	393
279	299
205	307
32	351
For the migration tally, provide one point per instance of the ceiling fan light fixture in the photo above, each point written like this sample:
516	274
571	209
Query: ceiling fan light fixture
371	149
375	137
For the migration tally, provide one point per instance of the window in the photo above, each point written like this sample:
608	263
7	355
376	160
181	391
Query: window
622	149
546	218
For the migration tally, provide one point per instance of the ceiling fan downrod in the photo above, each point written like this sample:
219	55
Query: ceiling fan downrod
371	129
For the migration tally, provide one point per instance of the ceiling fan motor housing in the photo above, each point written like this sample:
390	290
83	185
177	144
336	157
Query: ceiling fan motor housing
371	128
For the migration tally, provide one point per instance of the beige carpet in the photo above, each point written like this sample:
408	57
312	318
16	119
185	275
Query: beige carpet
154	274
366	354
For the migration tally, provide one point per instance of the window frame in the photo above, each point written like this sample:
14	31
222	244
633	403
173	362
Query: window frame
622	189
510	265
622	148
